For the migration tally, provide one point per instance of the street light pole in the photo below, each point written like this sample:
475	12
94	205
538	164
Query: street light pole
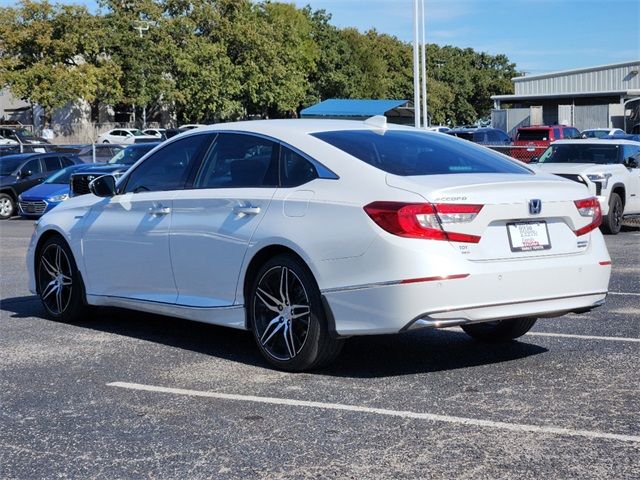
416	65
425	116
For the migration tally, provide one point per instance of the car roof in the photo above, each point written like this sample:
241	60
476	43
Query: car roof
21	156
473	129
544	127
596	141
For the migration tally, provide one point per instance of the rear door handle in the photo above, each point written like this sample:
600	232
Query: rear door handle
159	211
250	210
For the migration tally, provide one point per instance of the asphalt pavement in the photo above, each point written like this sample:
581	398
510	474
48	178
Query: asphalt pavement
131	395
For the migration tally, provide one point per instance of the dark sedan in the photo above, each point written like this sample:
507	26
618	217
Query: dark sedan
19	173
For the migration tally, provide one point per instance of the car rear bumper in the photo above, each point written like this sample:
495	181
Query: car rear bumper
490	291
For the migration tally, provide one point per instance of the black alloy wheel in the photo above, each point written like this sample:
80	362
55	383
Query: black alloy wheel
58	281
287	316
612	223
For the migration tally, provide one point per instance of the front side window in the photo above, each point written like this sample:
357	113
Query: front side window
296	170
237	161
32	166
168	168
409	152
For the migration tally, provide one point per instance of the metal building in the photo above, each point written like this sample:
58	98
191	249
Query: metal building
595	97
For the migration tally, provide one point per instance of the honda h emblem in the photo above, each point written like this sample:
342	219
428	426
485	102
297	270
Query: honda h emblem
535	206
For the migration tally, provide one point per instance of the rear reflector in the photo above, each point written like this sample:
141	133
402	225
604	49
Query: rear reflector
589	207
605	263
423	220
434	279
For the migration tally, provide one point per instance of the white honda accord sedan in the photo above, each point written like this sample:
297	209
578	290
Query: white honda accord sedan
309	231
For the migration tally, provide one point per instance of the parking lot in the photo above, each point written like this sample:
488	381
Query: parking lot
130	395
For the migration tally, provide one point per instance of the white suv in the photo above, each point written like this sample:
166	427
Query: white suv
610	169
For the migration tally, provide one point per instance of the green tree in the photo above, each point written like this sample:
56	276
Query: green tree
52	55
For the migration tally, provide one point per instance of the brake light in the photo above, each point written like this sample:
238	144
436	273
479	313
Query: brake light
423	220
589	207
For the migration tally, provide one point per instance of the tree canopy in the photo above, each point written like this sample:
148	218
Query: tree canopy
212	60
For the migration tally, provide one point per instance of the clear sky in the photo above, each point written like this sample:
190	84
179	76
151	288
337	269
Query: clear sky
538	35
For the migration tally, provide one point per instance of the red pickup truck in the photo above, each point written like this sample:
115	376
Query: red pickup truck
533	141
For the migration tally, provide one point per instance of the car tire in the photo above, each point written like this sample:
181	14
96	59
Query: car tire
7	206
58	281
287	317
501	330
612	223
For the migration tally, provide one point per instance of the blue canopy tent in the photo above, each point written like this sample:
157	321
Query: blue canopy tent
396	111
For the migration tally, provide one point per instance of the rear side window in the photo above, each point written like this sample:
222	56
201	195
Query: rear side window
539	135
406	153
556	134
571	133
66	162
238	160
51	164
296	170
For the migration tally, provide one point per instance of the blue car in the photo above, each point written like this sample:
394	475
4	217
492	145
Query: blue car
38	200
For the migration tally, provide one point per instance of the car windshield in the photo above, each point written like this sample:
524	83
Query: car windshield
595	133
540	135
131	155
407	152
63	176
581	153
464	135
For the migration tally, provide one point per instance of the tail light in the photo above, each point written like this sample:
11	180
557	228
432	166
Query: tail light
589	207
423	220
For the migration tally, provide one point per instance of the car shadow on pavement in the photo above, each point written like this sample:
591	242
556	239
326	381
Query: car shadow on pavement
362	357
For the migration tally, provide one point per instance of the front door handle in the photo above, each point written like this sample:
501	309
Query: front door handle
250	210
159	211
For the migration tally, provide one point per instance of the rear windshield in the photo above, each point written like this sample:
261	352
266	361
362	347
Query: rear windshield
533	135
405	152
581	153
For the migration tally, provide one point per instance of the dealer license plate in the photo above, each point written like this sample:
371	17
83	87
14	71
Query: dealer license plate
528	236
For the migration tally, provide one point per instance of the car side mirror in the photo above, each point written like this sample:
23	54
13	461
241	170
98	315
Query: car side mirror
104	186
631	163
26	174
534	160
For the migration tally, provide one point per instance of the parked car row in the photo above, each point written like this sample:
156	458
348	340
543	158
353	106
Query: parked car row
31	184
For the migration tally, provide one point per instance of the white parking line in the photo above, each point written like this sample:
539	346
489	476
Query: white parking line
633	294
515	427
571	335
584	337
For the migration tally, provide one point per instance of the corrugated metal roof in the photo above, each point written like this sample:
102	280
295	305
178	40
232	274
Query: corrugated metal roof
576	70
338	107
607	78
608	93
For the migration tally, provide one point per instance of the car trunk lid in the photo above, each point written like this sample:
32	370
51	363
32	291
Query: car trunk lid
522	215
